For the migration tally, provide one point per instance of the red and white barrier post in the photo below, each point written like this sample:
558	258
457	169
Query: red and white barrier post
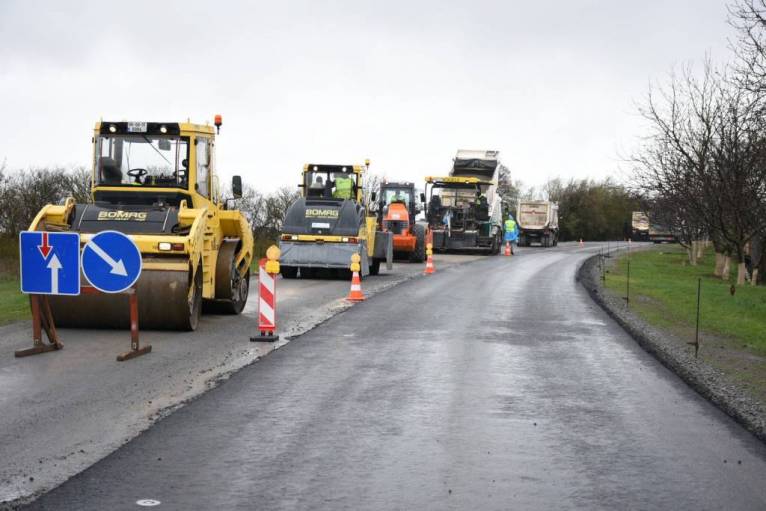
268	269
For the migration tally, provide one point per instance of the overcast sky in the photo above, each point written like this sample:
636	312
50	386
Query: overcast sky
552	85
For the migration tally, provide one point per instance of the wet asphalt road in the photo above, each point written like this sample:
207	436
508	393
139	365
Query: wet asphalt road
495	385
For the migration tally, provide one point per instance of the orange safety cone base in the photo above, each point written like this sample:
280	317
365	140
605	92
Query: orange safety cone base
508	248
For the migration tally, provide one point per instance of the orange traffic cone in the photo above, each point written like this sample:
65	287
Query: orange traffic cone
508	251
581	243
355	294
430	265
430	260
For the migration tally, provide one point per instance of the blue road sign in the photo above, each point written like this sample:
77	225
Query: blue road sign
50	262
111	262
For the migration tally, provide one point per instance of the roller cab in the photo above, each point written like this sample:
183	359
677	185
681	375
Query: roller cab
329	223
157	183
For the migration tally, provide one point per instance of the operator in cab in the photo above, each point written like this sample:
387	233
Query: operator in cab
317	188
344	187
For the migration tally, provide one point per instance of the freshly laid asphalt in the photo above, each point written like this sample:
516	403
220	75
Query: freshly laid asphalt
493	385
62	411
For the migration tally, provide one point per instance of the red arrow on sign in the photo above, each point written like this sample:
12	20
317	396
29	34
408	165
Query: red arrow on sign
45	249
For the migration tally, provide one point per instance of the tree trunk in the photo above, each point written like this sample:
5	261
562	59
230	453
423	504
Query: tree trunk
719	259
701	249
741	274
691	252
726	271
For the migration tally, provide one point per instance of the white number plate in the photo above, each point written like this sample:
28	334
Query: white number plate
320	225
136	127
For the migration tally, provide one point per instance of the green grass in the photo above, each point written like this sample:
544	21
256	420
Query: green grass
663	290
14	306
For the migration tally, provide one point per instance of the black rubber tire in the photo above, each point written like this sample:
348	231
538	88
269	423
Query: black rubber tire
375	267
231	289
419	255
288	272
194	302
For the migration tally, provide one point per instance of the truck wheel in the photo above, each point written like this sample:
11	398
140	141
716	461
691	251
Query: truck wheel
375	267
419	255
288	272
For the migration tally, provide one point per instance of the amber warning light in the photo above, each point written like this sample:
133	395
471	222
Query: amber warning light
218	122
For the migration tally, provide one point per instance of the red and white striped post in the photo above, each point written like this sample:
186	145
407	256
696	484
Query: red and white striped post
268	269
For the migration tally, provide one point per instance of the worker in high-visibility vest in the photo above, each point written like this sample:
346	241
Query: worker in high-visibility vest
344	188
511	231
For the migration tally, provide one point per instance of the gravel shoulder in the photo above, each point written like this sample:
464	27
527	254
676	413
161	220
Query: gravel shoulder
673	352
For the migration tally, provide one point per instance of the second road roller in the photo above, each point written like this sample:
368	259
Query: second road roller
156	182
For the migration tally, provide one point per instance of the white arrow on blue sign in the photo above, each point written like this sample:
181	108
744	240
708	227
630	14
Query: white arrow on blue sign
50	262
111	262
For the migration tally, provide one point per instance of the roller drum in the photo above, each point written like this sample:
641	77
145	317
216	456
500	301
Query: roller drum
163	304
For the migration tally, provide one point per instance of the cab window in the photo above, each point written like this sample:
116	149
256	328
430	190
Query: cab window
203	166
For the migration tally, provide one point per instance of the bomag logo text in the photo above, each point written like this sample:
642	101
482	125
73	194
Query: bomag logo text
138	216
321	213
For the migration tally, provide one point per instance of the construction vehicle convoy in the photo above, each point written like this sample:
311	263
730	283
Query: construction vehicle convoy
464	210
639	226
157	183
397	210
538	221
330	222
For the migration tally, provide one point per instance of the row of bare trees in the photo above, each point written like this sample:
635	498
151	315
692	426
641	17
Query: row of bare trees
24	192
701	169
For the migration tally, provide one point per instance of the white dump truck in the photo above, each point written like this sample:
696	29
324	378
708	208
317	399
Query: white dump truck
538	221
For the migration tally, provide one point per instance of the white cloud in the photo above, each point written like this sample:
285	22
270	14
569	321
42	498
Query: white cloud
551	85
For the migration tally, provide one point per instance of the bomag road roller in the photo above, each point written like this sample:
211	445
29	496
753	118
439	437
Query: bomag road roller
397	210
156	183
330	222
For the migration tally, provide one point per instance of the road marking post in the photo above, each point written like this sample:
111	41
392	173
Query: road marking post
696	342
268	269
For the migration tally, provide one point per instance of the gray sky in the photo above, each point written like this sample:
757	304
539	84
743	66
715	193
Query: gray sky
552	85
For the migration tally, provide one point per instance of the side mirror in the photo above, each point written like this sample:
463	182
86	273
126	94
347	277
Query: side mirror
236	187
373	196
422	197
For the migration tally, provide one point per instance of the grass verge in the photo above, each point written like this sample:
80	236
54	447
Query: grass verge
663	291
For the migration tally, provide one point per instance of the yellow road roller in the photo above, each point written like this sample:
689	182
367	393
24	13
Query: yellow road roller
156	182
